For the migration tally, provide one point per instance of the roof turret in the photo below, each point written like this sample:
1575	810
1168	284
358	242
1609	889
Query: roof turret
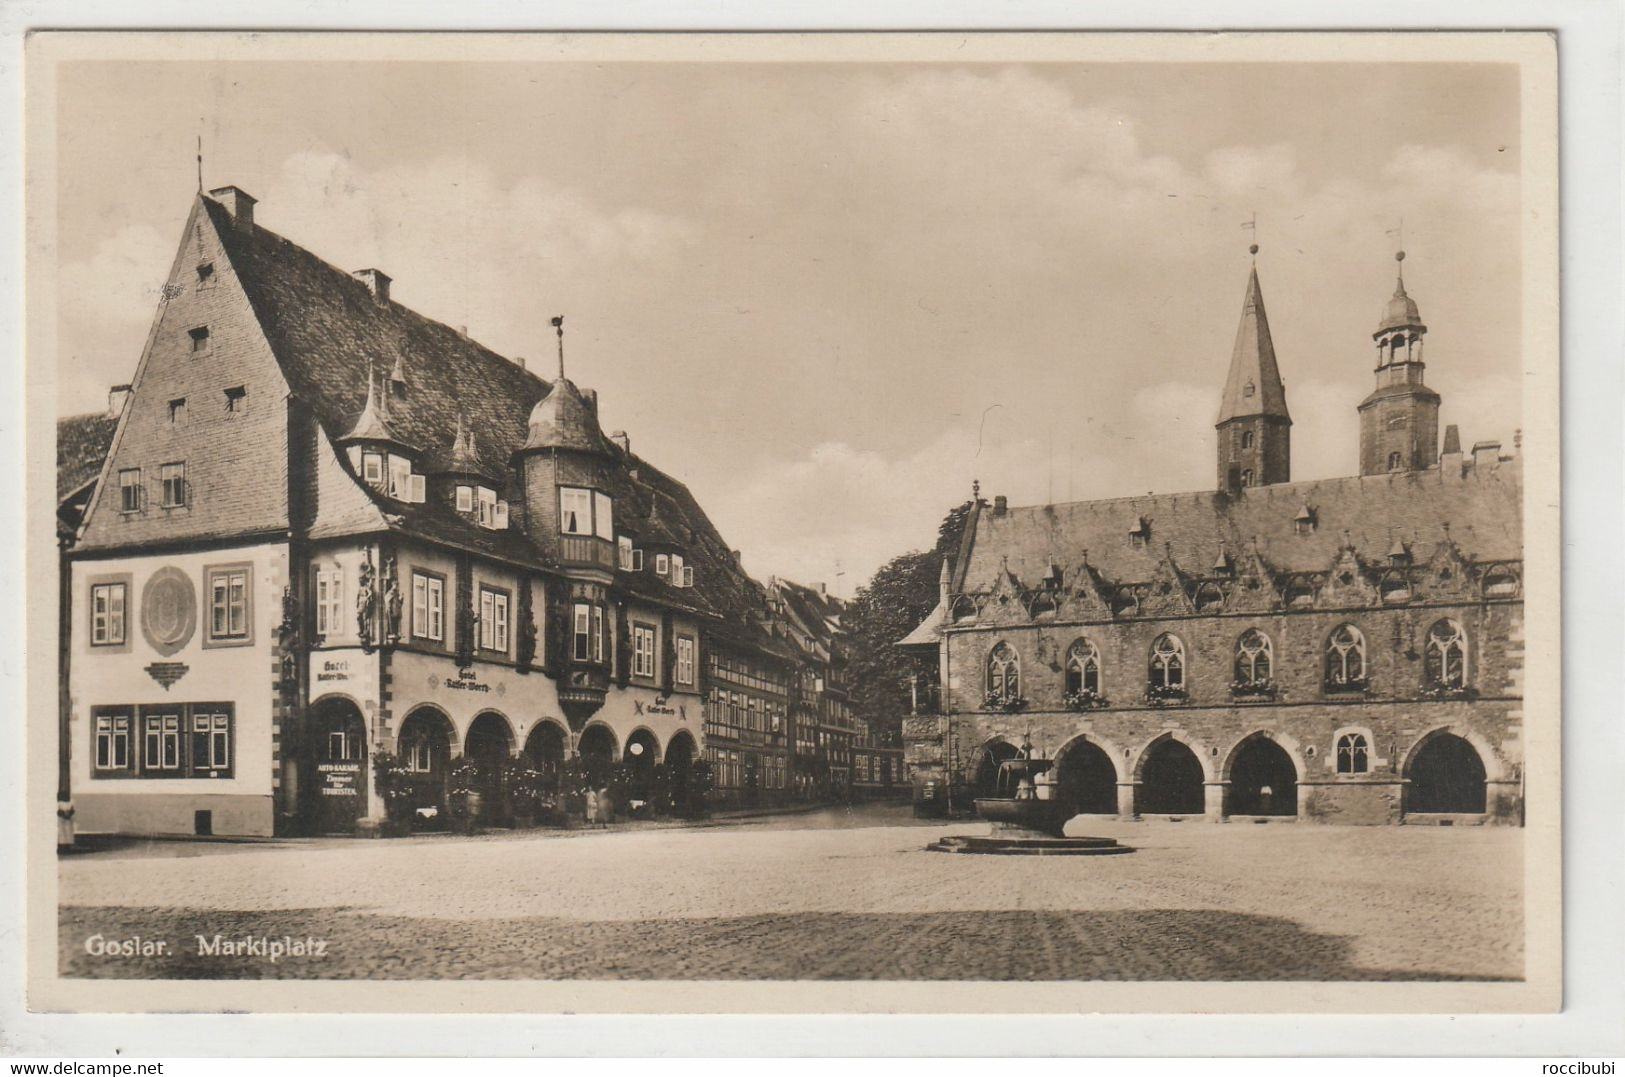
373	422
1402	311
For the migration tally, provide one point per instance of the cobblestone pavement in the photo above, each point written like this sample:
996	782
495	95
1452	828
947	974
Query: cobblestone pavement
794	897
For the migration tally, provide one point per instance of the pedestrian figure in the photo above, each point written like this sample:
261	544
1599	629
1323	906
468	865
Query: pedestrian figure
1265	795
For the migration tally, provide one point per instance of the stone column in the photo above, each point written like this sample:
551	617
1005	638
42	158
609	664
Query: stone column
1213	801
1125	799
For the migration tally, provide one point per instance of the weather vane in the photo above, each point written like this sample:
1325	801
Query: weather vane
558	323
1252	226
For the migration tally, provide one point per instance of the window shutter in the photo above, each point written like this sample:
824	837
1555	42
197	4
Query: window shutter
688	575
502	516
419	490
637	560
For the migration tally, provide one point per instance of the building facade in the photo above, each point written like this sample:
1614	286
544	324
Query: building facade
326	531
1344	650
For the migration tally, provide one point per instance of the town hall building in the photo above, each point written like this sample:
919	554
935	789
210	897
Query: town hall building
1342	650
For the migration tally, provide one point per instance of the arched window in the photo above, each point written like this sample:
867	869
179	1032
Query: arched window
1345	658
1003	673
1394	461
1083	668
1246	439
1353	754
1167	673
1445	659
1253	659
1246	476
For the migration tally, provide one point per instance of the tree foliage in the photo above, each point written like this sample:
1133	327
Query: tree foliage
900	596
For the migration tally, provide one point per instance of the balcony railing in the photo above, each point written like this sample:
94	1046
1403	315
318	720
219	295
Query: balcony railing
587	550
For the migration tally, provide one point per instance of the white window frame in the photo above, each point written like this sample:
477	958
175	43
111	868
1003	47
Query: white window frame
603	515
172	483
493	620
662	565
685	660
228	593
109	625
581	637
487	502
400	478
428	607
112	752
161	743
623	553
131	490
329	601
216	728
643	650
372	468
465	498
575	511
597	633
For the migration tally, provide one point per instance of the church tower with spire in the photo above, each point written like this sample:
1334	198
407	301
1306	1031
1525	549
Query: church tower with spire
1399	421
1255	430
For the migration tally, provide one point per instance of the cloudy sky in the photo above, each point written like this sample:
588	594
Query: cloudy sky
829	296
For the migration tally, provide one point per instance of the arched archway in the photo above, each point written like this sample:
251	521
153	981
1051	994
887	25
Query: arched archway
1446	776
680	753
424	747
339	763
1171	780
1087	779
641	757
598	751
489	745
546	748
986	780
1263	779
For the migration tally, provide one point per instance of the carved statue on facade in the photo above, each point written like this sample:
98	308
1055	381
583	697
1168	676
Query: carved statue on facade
392	601
364	611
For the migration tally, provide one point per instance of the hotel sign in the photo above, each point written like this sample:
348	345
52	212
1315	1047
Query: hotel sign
465	682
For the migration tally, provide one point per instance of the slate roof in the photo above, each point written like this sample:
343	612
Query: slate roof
1252	363
1480	509
82	443
325	328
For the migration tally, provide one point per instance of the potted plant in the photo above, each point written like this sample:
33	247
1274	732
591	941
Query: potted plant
1162	694
1008	702
1083	699
1261	688
463	795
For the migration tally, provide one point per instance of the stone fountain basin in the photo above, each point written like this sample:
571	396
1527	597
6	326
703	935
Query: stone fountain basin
1039	818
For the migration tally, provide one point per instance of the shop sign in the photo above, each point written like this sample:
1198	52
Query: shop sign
334	670
340	779
659	706
466	682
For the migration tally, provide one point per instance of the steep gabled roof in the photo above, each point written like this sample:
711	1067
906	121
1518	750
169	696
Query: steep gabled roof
325	326
1253	386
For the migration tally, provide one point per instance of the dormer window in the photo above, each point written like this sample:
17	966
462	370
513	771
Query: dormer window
372	468
400	477
688	576
662	565
676	570
487	502
465	498
1141	533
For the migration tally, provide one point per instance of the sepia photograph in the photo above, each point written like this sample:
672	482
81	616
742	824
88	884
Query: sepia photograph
992	522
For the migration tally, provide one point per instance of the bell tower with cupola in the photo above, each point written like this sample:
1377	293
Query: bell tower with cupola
1255	429
1399	421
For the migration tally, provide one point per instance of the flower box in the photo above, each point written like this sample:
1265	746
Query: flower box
1163	695
1085	700
995	701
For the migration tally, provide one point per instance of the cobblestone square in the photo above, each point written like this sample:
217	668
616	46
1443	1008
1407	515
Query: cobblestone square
831	895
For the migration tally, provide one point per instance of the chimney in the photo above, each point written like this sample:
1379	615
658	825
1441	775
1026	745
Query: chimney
377	282
239	204
1001	505
117	397
739	558
462	330
821	588
1486	454
621	438
519	361
1452	440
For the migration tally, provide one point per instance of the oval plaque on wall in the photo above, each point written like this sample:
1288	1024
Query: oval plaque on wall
168	610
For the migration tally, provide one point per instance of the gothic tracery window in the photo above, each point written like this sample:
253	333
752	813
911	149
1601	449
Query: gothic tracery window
1167	672
1345	658
1445	657
1353	754
1083	668
1253	658
1004	672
